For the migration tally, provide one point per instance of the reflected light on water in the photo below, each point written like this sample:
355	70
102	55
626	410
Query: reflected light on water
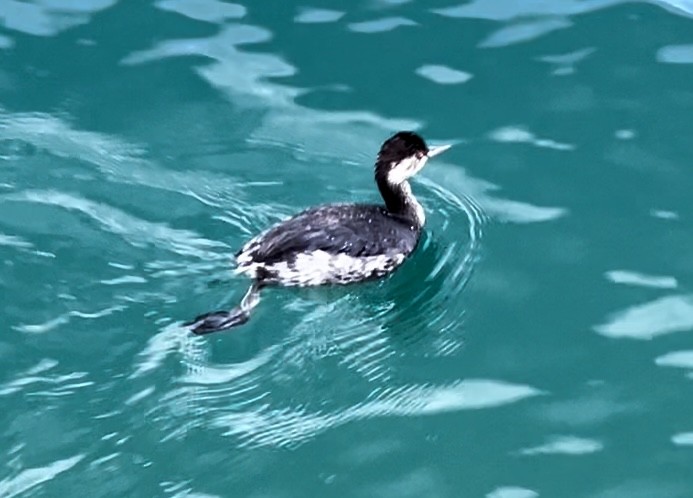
649	320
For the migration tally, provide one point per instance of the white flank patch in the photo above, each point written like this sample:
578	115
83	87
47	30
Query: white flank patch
321	267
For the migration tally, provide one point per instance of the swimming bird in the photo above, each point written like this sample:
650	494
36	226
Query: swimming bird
336	243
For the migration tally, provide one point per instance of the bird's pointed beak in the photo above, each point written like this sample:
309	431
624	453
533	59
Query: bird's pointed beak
434	151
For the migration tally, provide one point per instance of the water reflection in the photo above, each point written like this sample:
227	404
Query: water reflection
317	16
381	25
664	214
31	477
284	426
48	18
324	135
516	134
565	445
443	75
683	439
639	279
564	64
522	32
676	54
512	492
678	359
204	10
645	321
496	11
6	42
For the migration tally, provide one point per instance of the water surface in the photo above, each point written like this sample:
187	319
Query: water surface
537	344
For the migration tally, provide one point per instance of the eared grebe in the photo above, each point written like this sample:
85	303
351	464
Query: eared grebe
336	243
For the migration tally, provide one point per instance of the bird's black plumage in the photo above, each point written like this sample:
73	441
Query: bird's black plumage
400	145
337	243
356	230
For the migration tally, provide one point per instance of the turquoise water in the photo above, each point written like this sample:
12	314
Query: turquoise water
537	344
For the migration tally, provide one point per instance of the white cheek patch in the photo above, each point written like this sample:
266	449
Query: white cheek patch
405	169
420	163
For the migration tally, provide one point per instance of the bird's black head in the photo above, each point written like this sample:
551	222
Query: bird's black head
402	156
400	146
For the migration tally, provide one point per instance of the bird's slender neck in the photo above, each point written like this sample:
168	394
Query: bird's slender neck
400	200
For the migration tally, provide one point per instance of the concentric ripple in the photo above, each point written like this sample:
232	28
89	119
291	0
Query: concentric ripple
364	336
